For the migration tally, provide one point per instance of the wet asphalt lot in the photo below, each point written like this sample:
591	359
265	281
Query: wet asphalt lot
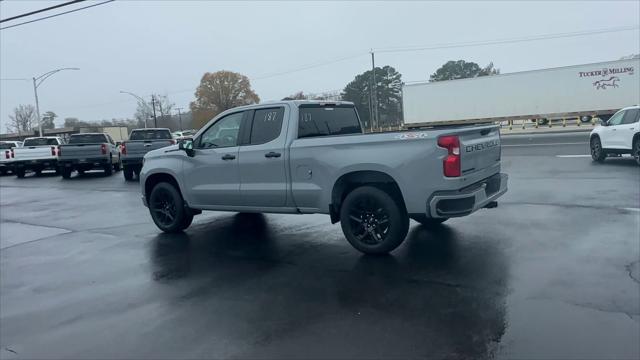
552	273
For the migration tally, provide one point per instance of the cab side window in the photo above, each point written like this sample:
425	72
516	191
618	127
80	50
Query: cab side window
266	126
630	116
223	133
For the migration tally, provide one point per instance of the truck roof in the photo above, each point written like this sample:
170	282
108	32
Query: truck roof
143	129
42	137
295	103
89	133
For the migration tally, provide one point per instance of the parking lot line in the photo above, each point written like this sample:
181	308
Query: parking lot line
573	156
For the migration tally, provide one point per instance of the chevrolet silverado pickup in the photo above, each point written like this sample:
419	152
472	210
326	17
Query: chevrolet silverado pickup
305	157
88	151
140	142
618	135
6	155
36	154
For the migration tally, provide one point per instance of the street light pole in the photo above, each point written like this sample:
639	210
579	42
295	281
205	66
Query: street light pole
37	81
180	117
141	100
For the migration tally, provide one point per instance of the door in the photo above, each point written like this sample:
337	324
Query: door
626	130
211	175
263	180
608	133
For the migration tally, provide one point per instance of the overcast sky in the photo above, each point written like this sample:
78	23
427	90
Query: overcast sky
166	46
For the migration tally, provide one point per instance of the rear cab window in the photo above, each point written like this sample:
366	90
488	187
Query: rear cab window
266	125
327	120
155	134
6	146
88	139
40	142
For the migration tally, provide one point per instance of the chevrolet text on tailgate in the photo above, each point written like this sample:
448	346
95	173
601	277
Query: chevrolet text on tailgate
305	157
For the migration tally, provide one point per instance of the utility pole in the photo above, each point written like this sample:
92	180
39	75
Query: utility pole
155	120
375	89
180	117
35	91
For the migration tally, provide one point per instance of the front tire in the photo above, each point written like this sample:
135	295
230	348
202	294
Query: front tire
372	221
167	208
427	221
597	152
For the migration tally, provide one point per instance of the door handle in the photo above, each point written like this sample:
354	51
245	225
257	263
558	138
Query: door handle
272	155
228	157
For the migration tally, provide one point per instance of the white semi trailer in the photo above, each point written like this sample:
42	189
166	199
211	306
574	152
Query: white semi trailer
598	89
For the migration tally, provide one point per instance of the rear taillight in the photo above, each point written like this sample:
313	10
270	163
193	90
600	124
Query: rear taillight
12	154
59	151
123	149
53	151
451	163
103	149
7	154
172	141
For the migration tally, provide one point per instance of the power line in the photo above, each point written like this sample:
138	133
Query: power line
41	10
62	13
311	66
507	40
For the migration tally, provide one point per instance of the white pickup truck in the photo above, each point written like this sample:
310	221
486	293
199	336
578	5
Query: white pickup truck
6	155
37	154
618	135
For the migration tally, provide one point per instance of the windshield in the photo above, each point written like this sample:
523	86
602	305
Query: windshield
87	139
150	135
40	142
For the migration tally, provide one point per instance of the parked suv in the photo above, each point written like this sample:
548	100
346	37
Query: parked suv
618	135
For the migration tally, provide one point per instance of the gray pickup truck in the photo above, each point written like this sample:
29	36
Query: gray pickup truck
88	151
304	157
140	142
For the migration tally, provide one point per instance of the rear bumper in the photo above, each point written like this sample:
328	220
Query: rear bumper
132	162
445	204
35	164
84	163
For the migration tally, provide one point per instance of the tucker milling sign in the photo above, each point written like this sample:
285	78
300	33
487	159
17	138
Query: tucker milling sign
610	77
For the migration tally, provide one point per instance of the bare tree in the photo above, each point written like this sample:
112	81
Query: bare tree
23	119
164	106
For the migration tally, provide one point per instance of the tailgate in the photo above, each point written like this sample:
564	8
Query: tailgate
138	148
76	151
33	153
479	148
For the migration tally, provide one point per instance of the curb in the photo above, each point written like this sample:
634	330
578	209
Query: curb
538	132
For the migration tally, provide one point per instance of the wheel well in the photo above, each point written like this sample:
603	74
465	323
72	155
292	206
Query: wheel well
350	181
155	179
636	137
593	137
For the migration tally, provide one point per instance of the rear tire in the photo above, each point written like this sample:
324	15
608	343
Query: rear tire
108	169
372	221
3	172
427	221
66	173
116	167
167	208
597	152
636	150
128	173
20	173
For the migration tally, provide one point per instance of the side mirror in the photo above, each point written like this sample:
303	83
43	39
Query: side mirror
187	147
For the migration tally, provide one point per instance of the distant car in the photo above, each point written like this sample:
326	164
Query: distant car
618	135
6	156
183	134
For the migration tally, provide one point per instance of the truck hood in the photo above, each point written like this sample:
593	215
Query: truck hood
160	152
